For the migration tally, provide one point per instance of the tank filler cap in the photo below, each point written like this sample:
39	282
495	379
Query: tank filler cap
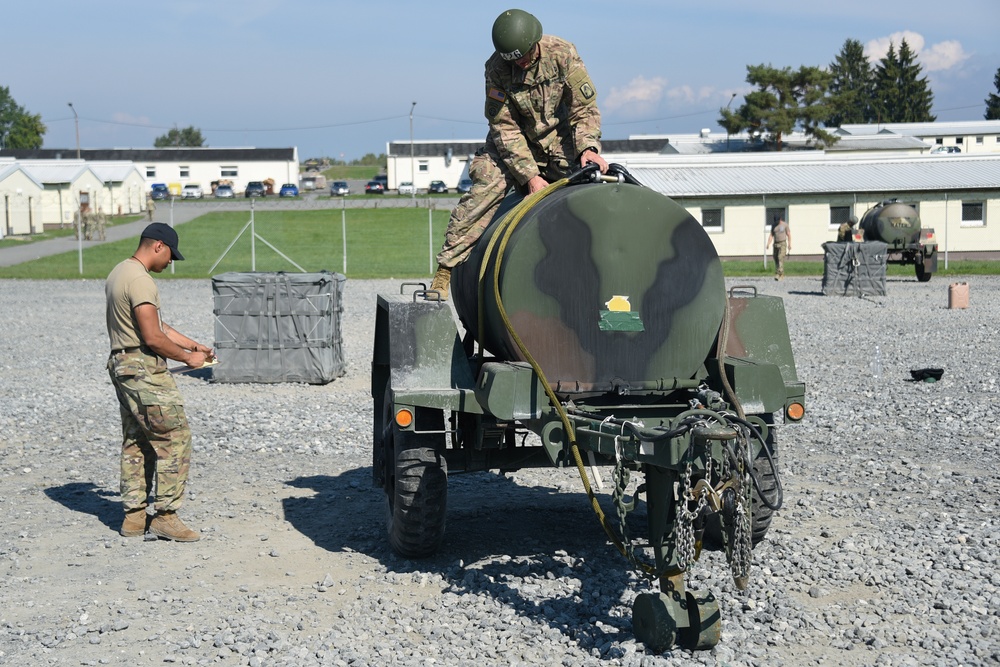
620	387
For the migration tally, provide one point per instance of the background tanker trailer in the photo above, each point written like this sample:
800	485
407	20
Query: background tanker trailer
898	225
594	315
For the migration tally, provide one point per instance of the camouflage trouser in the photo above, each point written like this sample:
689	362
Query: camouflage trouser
156	439
491	180
780	252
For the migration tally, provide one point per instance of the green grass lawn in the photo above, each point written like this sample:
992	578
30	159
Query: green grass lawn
381	243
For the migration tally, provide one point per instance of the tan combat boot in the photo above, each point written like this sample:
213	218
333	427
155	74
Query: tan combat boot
442	279
169	526
134	524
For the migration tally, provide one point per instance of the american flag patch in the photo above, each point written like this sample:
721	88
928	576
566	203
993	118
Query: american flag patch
496	94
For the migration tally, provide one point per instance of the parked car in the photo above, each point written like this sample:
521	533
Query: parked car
407	188
339	188
374	188
437	187
224	192
159	191
192	191
464	185
289	190
255	189
383	179
945	150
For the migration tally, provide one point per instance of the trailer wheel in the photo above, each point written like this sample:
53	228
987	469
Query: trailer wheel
417	494
923	275
760	512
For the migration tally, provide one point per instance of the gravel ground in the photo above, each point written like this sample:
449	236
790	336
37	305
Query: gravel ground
885	553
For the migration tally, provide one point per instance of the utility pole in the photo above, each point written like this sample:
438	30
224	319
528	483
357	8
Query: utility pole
76	121
413	180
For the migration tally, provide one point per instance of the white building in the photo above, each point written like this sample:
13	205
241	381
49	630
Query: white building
176	167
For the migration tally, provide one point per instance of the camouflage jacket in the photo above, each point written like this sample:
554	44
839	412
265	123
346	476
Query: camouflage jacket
546	112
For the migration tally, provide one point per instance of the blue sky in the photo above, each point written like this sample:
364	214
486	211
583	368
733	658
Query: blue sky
338	78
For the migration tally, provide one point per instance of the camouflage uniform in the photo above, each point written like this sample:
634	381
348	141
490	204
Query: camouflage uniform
101	222
845	233
156	438
88	225
780	235
540	120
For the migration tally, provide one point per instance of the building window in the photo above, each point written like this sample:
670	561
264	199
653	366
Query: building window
150	171
229	172
185	172
771	216
979	140
423	167
959	140
839	215
711	219
972	214
939	141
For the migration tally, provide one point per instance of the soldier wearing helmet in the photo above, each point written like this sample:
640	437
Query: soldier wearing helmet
845	233
543	122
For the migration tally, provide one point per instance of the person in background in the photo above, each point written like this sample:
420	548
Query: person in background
156	438
845	233
781	238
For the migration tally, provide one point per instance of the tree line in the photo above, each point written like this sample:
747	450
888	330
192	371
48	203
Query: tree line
849	90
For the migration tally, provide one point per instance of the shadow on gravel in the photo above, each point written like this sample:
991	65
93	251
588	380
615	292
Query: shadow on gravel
87	498
804	293
513	535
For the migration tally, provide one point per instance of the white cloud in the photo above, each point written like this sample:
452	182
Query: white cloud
934	58
688	95
943	55
640	94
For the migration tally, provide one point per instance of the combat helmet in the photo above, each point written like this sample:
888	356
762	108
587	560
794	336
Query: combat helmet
514	33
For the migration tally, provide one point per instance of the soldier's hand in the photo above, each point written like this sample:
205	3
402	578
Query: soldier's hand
588	156
196	359
537	183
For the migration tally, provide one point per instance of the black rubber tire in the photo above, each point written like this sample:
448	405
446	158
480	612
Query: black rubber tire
762	514
417	496
922	275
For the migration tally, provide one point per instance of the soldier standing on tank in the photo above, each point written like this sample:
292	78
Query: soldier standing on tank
845	233
781	236
543	121
150	206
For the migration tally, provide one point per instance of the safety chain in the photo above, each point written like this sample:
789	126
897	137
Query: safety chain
684	521
742	549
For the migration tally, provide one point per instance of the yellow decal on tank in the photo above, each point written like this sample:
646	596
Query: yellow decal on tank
618	303
619	316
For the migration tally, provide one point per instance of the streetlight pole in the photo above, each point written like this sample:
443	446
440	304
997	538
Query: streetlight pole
727	129
76	121
413	180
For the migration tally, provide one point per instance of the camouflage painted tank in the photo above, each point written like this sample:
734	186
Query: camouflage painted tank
595	318
898	225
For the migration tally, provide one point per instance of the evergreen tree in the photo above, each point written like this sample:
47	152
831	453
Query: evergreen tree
785	98
900	94
916	98
993	101
851	87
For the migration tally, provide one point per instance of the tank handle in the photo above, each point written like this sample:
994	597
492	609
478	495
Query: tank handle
749	288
